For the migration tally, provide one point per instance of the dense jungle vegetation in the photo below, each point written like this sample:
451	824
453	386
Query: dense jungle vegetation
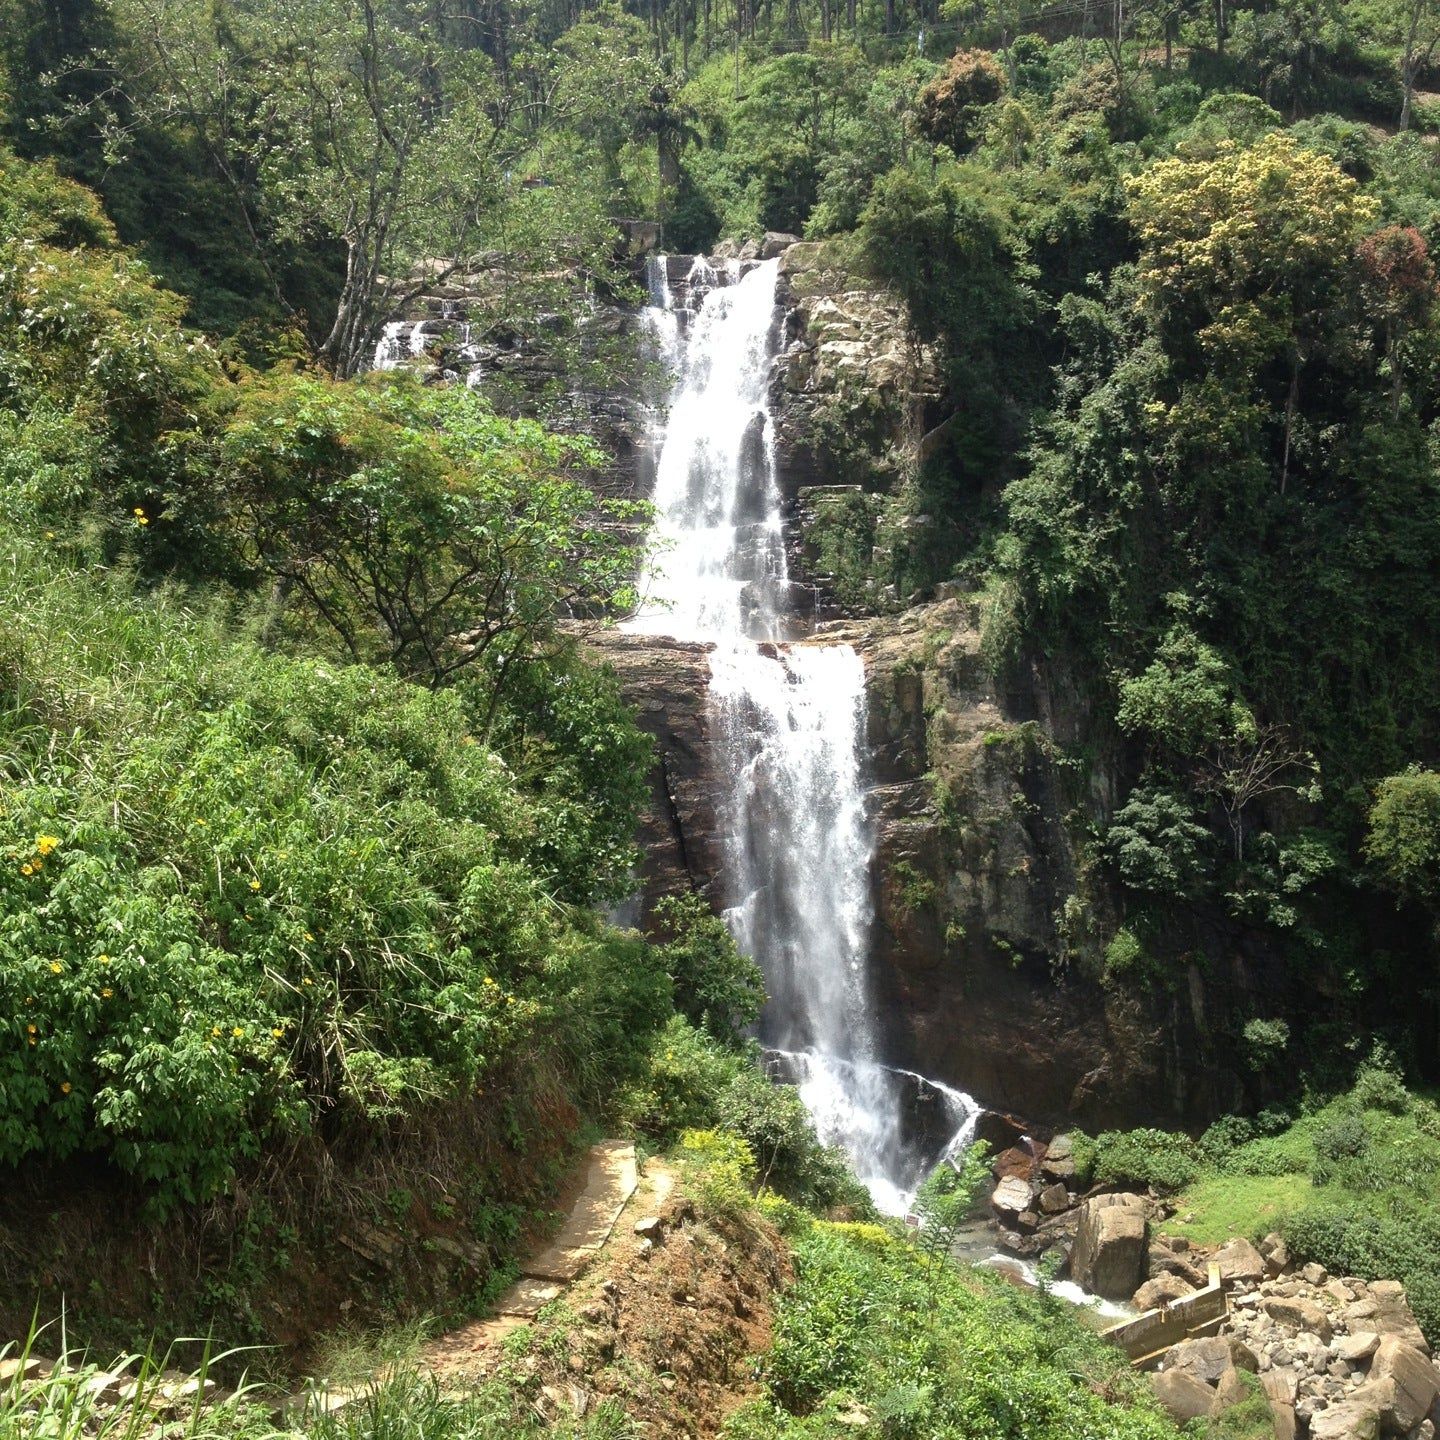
310	808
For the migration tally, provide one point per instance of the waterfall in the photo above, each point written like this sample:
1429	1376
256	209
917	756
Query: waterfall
789	725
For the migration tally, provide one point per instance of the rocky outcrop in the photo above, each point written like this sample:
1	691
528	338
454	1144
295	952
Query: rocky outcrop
667	681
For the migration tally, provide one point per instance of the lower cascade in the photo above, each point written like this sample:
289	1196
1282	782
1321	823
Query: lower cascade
789	724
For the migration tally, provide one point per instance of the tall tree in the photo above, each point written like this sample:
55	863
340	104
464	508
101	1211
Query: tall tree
339	121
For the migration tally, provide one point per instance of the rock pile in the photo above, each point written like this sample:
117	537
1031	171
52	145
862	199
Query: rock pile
1339	1357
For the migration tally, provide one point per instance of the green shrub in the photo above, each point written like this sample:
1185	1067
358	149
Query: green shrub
1162	1158
241	893
1356	1240
717	987
942	1353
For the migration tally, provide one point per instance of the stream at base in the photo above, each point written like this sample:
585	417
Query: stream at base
787	715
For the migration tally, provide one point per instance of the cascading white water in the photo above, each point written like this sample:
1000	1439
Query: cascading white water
789	727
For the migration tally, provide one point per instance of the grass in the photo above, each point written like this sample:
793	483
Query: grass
1218	1207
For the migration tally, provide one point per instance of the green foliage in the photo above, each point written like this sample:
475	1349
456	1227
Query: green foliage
416	525
1266	1041
940	1352
945	1201
1164	1159
215	929
695	1082
1158	844
717	988
1403	839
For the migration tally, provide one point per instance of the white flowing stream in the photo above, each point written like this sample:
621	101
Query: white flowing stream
788	718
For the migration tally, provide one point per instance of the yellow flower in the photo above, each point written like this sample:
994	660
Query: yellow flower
278	1032
308	936
307	981
143	520
27	869
215	1031
56	967
254	884
199	822
104	959
49	534
32	1039
30	1029
106	993
64	1087
238	1032
38	863
47	843
138	510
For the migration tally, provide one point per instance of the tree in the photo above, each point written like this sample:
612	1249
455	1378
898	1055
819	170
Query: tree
1411	27
1258	760
947	110
418	527
1397	278
343	121
1402	842
1249	252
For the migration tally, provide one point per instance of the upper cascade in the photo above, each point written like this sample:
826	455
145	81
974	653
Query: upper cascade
716	567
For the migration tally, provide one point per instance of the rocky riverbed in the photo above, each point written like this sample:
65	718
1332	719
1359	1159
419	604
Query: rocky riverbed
1337	1357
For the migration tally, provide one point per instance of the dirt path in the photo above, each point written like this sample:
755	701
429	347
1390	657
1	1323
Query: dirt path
611	1178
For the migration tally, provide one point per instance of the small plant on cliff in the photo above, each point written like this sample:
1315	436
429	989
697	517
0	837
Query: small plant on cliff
717	987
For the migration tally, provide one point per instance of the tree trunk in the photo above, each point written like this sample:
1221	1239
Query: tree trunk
1290	400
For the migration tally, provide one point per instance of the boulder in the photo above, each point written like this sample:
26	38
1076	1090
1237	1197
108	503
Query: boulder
1167	1262
1109	1254
1239	1261
1230	1390
1011	1199
1054	1199
1276	1252
1355	1349
775	242
1059	1159
1297	1314
1393	1316
1281	1385
1018	1160
1162	1290
1209	1358
1282	1417
1185	1397
1413	1383
1354	1418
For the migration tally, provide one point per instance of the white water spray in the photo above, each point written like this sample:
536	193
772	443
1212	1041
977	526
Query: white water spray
789	722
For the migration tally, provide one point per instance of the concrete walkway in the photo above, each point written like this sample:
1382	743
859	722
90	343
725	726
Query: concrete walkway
611	1176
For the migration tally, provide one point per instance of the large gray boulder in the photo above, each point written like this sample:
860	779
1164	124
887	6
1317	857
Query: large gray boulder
1011	1199
776	242
1185	1397
1162	1290
1393	1316
1298	1314
1409	1384
1109	1254
1239	1261
1355	1418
